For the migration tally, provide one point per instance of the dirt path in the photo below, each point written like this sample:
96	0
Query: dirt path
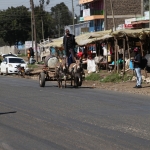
120	87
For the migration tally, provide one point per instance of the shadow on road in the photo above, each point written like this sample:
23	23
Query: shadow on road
71	87
145	86
11	112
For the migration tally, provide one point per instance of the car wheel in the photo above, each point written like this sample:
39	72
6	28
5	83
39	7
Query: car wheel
1	72
6	71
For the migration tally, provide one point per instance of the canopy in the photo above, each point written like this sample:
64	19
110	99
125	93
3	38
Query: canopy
93	37
55	43
88	38
135	33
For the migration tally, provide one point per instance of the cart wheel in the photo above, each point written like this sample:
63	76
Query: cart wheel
42	79
80	81
76	81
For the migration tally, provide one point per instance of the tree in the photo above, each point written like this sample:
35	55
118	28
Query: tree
15	25
47	23
146	4
61	17
42	2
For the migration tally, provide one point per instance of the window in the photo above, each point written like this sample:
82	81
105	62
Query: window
16	60
5	60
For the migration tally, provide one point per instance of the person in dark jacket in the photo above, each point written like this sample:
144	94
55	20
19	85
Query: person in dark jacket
69	45
31	52
137	67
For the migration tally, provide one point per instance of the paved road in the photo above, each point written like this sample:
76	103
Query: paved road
34	118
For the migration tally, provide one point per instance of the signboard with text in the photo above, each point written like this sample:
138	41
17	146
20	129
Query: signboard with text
28	44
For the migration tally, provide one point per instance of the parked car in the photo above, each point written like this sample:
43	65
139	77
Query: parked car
9	65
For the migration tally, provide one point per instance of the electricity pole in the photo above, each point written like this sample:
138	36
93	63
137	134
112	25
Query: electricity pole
42	27
31	24
59	15
149	13
112	10
73	18
34	25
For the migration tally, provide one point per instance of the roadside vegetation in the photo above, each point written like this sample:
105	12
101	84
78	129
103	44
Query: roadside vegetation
113	77
22	55
32	66
19	21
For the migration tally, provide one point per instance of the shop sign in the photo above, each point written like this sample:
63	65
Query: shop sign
86	12
128	25
129	21
132	26
28	44
81	18
140	18
146	14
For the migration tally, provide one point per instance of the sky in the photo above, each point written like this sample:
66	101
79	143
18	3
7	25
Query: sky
4	4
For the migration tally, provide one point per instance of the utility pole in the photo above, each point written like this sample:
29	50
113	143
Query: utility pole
73	18
34	25
42	27
59	23
149	13
113	15
31	23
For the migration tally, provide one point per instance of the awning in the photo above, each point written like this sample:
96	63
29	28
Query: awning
140	22
93	37
135	33
55	43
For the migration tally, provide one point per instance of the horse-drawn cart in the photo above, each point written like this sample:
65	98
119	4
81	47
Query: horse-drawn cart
59	72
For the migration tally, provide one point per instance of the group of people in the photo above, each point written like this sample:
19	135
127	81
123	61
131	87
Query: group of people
69	46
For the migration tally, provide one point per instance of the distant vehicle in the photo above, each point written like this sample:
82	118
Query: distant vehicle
8	65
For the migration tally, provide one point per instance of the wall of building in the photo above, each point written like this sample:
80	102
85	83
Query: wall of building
78	28
123	9
12	49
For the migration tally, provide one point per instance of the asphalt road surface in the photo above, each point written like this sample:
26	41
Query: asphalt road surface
49	118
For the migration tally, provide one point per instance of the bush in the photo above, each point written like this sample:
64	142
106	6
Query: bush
32	66
21	55
115	77
93	77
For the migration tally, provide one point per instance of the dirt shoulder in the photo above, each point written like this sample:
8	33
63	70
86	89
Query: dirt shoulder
120	87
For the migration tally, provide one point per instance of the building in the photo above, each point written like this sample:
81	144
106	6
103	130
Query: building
80	28
93	11
99	12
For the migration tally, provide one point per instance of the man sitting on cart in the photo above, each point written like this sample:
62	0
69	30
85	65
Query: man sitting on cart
69	45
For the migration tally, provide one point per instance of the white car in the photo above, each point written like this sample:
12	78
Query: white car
8	65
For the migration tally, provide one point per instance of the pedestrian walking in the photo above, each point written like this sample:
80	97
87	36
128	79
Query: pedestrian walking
69	45
137	67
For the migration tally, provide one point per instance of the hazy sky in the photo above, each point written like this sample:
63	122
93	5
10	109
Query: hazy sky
4	4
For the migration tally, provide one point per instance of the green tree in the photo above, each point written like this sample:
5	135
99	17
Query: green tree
43	17
61	17
42	2
146	4
15	25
